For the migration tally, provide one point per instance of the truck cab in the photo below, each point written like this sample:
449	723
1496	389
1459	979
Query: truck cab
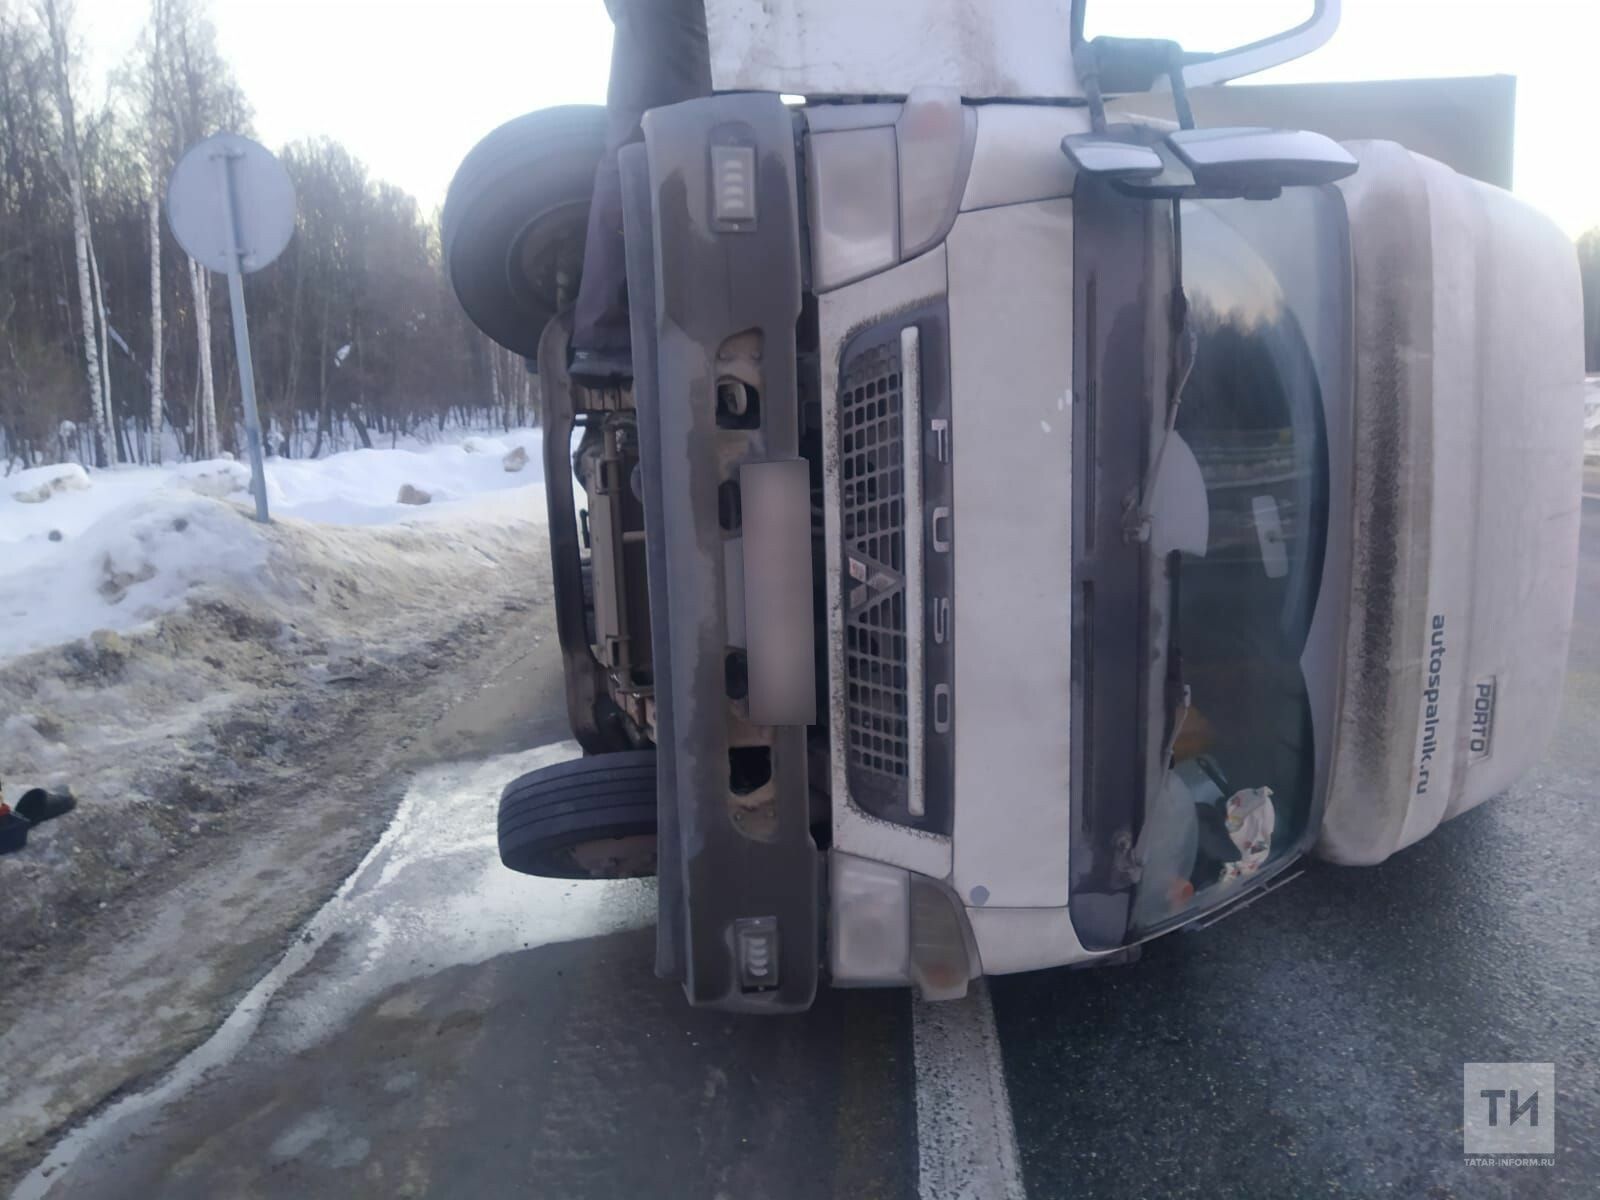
1033	525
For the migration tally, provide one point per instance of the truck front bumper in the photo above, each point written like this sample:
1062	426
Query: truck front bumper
714	279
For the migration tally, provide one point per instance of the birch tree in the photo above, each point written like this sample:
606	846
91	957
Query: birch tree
156	160
157	339
56	16
107	414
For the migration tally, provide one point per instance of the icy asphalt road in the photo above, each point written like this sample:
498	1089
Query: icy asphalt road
437	1031
440	1030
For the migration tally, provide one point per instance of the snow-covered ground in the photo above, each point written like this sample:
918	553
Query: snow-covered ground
114	549
235	706
193	676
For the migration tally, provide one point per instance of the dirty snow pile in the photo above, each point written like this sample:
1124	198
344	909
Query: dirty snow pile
113	550
187	671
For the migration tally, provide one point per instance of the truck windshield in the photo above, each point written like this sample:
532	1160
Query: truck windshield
1266	288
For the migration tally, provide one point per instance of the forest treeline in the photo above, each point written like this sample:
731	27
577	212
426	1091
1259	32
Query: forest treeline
116	347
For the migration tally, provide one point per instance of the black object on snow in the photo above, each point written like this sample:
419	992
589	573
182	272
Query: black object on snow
39	805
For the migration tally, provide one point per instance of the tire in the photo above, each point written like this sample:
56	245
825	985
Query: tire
591	818
515	218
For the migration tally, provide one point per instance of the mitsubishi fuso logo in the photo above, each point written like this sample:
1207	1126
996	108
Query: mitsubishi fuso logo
872	580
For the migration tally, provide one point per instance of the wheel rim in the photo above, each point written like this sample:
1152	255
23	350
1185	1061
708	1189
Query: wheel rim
546	259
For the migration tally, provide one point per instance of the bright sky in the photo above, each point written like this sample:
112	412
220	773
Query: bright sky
410	85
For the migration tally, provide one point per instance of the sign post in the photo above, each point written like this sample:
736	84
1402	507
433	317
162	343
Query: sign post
231	207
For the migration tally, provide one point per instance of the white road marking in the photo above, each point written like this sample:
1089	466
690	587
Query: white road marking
1591	495
966	1145
430	894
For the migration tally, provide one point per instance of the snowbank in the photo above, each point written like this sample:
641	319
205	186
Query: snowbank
132	565
361	487
113	550
234	705
38	484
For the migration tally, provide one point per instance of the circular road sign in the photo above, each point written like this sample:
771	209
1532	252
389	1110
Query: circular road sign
229	180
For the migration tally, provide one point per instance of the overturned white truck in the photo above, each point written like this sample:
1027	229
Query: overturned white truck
1032	526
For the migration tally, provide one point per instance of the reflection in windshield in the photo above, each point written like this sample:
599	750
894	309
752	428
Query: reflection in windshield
1241	789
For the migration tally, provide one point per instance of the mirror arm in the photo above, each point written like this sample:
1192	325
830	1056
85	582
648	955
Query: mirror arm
1121	65
1122	72
1180	90
1087	63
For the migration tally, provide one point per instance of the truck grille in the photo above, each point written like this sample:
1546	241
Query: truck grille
872	510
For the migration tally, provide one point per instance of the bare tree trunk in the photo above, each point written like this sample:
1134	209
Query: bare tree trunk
206	418
292	375
154	205
513	369
91	353
108	416
361	391
56	28
160	15
322	382
494	378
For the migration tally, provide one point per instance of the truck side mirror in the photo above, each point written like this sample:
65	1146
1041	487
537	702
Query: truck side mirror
1247	161
1219	163
1110	157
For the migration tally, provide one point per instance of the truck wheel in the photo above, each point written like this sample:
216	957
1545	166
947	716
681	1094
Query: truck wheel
515	218
591	818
